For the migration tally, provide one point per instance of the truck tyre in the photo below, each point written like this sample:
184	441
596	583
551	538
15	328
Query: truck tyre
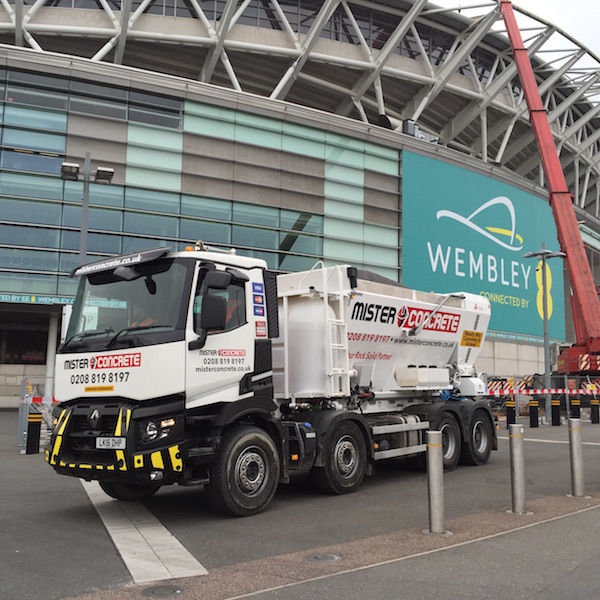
128	492
476	450
451	446
345	458
244	477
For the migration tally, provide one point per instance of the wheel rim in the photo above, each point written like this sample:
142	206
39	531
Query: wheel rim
480	439
448	441
346	456
251	471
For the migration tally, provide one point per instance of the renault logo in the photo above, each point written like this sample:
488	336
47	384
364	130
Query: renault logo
94	418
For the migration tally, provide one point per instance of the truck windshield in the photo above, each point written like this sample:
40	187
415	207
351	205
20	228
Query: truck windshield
141	306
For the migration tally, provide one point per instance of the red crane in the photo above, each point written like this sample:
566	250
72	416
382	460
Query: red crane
584	355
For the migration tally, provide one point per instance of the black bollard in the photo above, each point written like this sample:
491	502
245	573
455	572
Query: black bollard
34	428
595	410
511	413
575	408
534	407
555	404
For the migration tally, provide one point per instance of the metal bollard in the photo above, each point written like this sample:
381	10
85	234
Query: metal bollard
517	469
435	481
576	448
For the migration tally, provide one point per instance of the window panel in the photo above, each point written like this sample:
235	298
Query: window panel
207	232
69	240
254	238
109	220
32	117
135	244
153	201
26	161
290	219
68	262
34	284
67	286
154	117
106	195
99	90
33	140
296	263
34	186
150	225
103	108
25	211
104	244
36	237
36	97
253	214
153	178
301	244
32	260
37	80
208	208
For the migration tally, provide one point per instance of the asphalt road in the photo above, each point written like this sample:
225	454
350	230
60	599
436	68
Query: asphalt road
308	545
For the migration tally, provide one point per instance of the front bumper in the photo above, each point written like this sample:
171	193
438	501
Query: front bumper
71	450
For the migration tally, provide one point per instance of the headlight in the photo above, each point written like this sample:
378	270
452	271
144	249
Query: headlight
150	432
153	430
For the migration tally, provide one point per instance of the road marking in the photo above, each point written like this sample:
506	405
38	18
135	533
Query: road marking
500	437
150	551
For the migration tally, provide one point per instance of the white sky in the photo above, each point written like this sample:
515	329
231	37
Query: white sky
578	18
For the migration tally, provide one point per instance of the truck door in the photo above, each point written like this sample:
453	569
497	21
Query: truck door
220	338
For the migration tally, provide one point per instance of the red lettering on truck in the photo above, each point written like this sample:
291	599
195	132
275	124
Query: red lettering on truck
231	352
116	361
410	317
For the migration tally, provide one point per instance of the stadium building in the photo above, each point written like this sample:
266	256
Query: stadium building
392	135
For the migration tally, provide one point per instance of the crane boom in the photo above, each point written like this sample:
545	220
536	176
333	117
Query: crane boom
584	298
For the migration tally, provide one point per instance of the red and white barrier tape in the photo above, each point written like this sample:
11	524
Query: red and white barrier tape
521	392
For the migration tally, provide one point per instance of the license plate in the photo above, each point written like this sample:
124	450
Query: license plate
111	443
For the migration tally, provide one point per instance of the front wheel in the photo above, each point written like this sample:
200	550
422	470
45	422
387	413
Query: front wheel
345	461
451	446
477	449
128	492
244	477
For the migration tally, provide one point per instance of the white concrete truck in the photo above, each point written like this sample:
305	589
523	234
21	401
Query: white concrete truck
204	367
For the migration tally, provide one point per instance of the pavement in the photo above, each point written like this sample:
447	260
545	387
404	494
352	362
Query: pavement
549	553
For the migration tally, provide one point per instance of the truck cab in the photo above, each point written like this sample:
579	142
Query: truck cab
160	345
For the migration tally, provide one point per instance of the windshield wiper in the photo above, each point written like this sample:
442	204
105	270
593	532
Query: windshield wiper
127	330
79	337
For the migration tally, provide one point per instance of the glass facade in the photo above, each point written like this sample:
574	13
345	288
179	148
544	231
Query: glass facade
184	171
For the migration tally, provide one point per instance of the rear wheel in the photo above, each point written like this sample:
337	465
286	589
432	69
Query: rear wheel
476	450
128	492
245	475
345	458
451	445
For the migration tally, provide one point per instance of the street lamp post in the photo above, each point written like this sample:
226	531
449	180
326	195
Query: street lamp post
545	254
71	172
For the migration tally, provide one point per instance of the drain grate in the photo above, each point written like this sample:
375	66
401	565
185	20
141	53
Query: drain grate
162	590
323	557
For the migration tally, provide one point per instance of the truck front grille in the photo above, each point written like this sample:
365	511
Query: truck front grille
81	434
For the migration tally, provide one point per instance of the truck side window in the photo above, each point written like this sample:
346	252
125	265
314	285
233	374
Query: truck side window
236	305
